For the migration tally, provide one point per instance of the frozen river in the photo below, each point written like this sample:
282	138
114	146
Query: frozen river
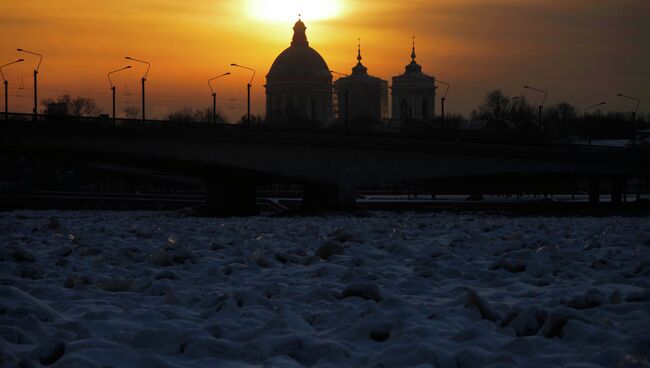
152	289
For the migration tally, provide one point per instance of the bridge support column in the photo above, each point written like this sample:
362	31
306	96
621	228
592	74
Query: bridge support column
231	195
321	197
594	191
616	190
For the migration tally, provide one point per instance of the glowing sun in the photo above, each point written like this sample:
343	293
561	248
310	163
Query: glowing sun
283	11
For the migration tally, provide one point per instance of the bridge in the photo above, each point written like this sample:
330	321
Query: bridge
330	164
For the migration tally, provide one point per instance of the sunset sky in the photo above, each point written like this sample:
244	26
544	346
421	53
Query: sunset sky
581	51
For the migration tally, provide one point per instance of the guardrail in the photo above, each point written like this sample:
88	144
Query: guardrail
208	129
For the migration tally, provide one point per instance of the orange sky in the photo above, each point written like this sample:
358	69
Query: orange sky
581	51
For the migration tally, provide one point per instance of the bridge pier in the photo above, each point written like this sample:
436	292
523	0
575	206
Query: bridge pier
231	195
321	197
616	190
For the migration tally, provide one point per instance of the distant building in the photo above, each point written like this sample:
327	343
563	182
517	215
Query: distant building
299	84
413	93
57	109
361	97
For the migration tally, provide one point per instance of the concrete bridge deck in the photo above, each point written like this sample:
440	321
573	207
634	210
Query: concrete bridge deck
232	160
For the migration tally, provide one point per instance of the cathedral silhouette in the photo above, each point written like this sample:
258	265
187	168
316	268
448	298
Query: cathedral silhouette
299	87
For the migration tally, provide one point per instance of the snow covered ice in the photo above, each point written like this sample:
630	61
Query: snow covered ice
152	289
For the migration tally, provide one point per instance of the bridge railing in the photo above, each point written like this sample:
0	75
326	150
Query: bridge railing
207	130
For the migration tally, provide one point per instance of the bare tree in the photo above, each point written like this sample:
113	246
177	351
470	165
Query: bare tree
258	120
83	106
78	106
520	111
494	106
187	114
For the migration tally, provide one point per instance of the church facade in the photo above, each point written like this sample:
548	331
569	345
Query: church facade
361	97
413	93
299	84
299	89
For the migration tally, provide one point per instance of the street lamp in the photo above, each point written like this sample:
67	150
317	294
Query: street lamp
35	78
113	87
7	87
636	109
585	114
541	105
144	78
250	83
442	104
214	98
592	106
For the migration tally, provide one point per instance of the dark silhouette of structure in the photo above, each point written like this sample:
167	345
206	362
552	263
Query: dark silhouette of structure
214	97
248	91
143	79
330	167
113	88
6	83
38	66
361	97
299	83
414	93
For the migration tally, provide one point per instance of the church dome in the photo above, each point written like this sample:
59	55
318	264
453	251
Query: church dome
299	60
413	72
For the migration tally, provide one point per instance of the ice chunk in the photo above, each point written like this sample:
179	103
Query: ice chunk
364	291
473	300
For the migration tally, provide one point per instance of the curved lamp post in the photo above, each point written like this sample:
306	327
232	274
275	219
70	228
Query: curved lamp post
636	109
442	104
250	83
7	87
214	98
113	87
144	79
584	112
541	105
35	78
592	106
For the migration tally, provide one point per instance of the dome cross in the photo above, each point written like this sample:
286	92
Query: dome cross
413	49
359	50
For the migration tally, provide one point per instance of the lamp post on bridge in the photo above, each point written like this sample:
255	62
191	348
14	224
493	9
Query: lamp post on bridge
442	104
35	79
7	87
636	109
584	113
214	99
144	79
248	86
113	87
541	105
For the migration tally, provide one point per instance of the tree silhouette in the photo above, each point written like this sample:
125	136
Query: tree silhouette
188	114
493	107
132	112
561	120
78	106
255	120
84	106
